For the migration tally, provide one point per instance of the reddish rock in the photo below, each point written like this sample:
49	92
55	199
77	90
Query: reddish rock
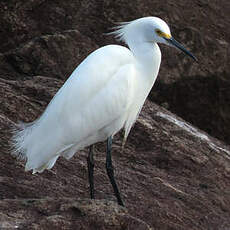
171	174
66	214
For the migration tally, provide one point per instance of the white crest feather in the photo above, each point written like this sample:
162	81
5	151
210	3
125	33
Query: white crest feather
119	30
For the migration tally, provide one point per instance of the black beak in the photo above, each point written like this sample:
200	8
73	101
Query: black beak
175	43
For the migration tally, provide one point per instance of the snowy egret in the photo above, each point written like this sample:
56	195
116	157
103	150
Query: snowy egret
104	94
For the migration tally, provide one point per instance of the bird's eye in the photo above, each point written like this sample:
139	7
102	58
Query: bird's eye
159	32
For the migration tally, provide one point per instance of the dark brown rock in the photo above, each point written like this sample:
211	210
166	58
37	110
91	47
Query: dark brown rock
171	175
196	24
66	214
203	101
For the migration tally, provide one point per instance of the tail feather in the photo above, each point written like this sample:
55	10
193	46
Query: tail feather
19	139
30	144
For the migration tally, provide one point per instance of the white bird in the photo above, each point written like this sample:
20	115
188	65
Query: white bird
104	94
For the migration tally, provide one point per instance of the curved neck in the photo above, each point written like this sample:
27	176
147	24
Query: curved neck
148	57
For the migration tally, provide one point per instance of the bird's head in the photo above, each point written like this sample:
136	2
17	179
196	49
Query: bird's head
149	29
163	35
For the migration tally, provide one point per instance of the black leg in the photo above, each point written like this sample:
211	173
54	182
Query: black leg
90	163
109	168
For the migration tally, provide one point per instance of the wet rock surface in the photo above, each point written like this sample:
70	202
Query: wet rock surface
171	174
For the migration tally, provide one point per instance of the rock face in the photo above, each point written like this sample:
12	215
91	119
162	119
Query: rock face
201	26
67	214
171	174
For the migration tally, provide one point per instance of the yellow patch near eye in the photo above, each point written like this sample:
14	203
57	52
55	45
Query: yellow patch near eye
168	36
163	34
